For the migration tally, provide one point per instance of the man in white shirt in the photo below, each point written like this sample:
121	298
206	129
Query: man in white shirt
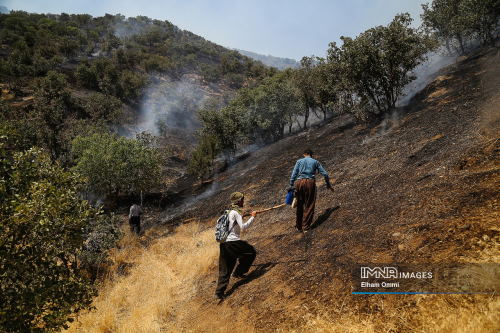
234	249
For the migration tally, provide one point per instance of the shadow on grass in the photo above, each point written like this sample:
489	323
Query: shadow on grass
324	216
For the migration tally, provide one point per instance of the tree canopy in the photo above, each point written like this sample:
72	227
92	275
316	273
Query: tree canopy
112	164
378	63
42	235
460	23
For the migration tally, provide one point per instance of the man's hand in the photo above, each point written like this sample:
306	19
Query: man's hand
253	213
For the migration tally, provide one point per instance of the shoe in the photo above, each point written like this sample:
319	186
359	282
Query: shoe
219	297
239	276
305	231
298	229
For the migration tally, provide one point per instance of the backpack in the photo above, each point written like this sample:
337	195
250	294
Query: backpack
222	227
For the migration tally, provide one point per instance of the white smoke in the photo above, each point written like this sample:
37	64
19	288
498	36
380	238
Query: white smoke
425	73
170	104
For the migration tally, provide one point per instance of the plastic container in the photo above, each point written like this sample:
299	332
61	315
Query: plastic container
289	197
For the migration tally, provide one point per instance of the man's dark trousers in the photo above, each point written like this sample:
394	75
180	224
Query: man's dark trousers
306	200
135	224
229	253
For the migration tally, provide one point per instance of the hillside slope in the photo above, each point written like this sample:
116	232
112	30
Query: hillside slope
141	74
420	188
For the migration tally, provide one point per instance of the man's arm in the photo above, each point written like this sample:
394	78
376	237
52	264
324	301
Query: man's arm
295	173
239	220
325	174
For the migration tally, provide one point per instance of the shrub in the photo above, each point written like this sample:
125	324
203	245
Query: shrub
113	164
41	235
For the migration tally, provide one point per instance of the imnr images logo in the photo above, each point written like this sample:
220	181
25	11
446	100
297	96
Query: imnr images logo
379	272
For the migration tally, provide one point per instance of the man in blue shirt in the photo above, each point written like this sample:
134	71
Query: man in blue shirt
303	179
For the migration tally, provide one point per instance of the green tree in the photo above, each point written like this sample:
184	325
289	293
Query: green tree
378	63
41	237
52	107
227	125
304	80
484	19
98	106
457	22
327	83
202	158
113	164
446	18
130	85
276	102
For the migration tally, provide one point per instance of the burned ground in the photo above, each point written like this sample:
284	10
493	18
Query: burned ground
423	190
426	190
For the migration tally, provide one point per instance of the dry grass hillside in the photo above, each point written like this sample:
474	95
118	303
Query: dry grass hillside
421	188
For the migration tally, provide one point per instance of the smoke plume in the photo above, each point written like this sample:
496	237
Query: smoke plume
169	104
425	73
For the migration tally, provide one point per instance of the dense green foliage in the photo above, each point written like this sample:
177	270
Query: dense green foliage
255	115
120	47
42	234
202	158
113	164
89	74
57	116
459	23
377	64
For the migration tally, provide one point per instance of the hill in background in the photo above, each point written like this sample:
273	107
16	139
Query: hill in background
271	61
155	74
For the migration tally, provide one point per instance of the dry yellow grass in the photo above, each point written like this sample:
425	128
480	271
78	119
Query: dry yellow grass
159	285
431	313
159	293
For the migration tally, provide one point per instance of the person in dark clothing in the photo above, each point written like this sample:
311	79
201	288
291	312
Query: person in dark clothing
234	249
303	181
134	218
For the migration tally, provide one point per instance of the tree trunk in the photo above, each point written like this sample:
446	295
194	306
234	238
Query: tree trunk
461	43
306	117
324	112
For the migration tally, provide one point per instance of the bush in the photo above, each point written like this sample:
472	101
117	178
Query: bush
41	236
202	158
101	235
98	106
113	164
